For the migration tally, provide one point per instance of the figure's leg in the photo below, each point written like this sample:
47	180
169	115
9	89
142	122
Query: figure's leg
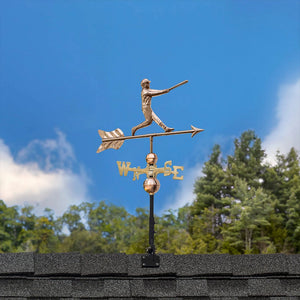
147	111
142	125
158	121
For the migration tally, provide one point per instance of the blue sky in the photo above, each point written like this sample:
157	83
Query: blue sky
69	68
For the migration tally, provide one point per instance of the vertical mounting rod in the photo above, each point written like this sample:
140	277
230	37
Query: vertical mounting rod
151	144
151	260
151	226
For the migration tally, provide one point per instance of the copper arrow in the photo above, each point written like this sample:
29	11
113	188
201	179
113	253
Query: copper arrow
109	139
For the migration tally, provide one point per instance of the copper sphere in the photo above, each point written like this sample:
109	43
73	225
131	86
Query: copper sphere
151	185
151	158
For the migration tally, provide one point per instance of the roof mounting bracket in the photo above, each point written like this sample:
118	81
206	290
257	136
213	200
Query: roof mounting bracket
150	261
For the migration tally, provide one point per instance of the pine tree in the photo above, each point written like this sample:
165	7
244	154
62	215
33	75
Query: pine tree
249	216
246	163
291	194
211	191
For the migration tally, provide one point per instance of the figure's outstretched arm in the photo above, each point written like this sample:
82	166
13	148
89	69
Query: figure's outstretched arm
154	93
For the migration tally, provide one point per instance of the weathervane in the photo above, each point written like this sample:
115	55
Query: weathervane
115	139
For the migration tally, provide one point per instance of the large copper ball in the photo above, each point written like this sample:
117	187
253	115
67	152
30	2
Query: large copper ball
151	185
151	158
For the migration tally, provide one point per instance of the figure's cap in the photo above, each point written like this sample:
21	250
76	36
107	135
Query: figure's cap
145	81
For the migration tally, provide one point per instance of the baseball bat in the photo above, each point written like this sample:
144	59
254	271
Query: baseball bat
179	84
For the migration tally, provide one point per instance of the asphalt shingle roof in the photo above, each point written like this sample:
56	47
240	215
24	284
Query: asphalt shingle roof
120	276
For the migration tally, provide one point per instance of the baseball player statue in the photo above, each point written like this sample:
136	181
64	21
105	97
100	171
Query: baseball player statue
150	116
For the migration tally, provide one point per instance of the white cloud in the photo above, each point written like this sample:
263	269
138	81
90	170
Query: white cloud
286	133
41	175
185	192
49	154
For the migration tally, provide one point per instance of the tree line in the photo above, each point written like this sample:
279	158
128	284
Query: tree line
242	205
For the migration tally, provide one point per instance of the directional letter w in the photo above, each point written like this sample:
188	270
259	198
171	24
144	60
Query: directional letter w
123	168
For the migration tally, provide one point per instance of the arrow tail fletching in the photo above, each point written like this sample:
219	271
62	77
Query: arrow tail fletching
110	135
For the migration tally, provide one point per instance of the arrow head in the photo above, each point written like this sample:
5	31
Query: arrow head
196	130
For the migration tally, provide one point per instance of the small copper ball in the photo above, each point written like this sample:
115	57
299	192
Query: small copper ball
151	185
151	158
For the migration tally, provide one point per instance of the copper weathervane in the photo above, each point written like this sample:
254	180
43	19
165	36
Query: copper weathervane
115	139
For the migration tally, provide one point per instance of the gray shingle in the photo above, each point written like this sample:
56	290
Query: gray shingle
192	287
122	298
51	288
254	298
16	263
284	298
167	265
57	264
117	288
198	298
294	264
102	298
104	264
88	288
261	264
225	298
265	287
291	286
203	264
227	287
15	287
153	287
171	298
101	288
12	298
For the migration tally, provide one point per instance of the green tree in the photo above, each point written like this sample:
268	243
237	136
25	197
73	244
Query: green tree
111	222
10	228
139	232
282	182
249	217
211	191
83	241
291	194
72	218
247	161
204	239
44	239
28	220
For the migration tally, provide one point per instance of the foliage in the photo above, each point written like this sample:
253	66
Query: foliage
242	205
247	205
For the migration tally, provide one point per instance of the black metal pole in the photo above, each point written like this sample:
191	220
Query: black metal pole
151	260
151	226
151	217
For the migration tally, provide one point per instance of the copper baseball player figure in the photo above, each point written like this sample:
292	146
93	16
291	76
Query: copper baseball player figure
150	116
